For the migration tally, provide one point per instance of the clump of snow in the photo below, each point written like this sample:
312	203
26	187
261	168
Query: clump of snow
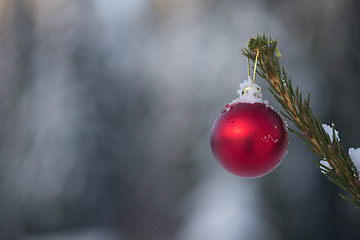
326	164
329	131
249	92
355	157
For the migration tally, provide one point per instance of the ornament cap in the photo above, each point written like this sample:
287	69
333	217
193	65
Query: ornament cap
252	90
249	89
249	92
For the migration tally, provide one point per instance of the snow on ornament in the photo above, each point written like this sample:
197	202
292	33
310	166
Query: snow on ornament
249	139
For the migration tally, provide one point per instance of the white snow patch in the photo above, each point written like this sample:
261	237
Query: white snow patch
329	131
355	157
249	92
326	164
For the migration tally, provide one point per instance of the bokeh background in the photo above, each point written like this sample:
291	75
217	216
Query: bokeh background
106	109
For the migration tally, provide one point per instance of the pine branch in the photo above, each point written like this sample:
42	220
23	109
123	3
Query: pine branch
340	169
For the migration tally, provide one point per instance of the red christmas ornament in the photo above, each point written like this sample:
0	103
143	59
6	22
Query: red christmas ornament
249	139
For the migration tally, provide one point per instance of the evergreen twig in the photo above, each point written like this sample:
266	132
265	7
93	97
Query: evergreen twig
342	170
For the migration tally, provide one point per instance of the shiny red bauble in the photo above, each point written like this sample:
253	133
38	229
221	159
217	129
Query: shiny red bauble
249	139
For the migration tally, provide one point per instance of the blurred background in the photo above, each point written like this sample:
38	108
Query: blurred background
106	109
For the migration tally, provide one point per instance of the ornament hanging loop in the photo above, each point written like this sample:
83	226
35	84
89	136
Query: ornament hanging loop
248	61
248	65
256	61
246	89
